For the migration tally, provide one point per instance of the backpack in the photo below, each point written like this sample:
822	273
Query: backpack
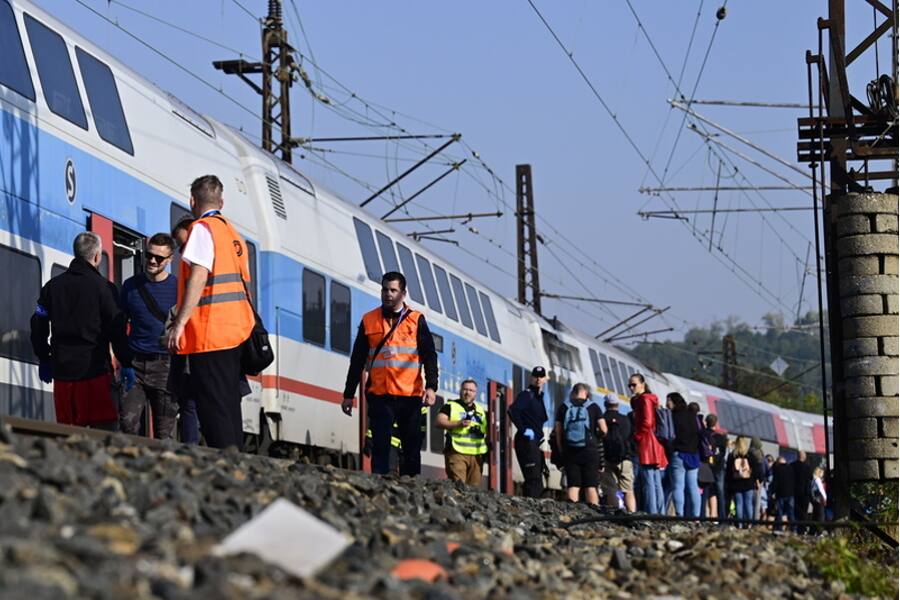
576	426
614	447
741	467
665	429
707	447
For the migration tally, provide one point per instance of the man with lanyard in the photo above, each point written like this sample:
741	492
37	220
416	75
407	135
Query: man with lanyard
146	300
214	314
466	444
393	345
529	414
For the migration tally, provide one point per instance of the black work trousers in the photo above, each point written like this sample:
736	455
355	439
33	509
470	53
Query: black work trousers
214	382
531	462
406	411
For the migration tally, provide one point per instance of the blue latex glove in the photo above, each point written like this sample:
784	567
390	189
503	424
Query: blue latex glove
127	375
45	371
529	434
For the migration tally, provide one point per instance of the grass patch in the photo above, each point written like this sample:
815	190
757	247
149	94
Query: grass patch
863	565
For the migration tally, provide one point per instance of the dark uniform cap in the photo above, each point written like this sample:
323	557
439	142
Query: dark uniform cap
538	372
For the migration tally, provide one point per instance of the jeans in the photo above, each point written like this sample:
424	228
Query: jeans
784	507
190	424
652	495
683	483
743	505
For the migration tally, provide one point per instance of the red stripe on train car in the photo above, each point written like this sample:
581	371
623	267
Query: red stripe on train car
819	438
714	410
780	431
296	386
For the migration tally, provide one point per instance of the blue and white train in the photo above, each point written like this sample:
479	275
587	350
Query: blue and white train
86	143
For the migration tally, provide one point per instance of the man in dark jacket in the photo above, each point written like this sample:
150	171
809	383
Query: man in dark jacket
802	484
78	311
783	489
529	414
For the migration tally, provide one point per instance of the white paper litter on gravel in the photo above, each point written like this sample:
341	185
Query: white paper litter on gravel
286	535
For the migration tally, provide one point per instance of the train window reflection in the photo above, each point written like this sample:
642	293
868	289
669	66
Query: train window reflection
388	256
368	250
489	316
17	304
13	68
54	69
409	270
476	309
313	307
460	294
444	286
340	318
106	105
431	292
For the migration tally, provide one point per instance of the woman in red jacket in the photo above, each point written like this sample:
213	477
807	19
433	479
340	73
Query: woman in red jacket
650	453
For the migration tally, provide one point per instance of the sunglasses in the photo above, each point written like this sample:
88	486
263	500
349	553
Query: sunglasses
157	258
631	385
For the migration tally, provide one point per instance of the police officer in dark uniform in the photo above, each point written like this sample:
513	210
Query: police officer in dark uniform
528	414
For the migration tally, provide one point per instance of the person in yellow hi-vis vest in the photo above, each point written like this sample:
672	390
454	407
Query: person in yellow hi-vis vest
466	445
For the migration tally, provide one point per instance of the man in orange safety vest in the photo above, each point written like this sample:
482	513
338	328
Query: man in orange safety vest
393	345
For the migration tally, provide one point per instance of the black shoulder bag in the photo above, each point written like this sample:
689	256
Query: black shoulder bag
256	351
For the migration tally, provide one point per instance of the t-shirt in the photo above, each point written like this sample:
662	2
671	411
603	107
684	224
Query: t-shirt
594	414
146	330
199	248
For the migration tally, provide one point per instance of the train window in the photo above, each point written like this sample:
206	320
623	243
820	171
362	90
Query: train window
431	292
446	295
409	269
438	342
460	294
437	434
746	420
617	376
54	68
520	380
625	376
313	307
17	304
607	372
252	286
104	100
388	257
56	269
13	68
595	362
369	252
489	316
476	309
340	318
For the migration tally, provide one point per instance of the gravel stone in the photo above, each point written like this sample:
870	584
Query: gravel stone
81	518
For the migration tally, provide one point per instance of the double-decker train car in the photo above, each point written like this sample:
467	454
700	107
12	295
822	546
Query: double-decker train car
86	143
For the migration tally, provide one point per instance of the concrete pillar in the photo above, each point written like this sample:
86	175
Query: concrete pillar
867	254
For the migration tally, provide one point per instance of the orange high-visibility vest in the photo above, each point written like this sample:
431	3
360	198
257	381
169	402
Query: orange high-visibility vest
223	318
397	369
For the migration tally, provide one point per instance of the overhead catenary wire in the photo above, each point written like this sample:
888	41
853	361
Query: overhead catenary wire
758	287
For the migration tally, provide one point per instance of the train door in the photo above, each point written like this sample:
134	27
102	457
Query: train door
501	448
122	249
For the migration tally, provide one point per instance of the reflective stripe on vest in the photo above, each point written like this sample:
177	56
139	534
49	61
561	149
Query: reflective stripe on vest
397	370
468	440
223	317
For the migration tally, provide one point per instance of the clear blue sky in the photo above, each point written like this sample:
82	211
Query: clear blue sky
491	71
